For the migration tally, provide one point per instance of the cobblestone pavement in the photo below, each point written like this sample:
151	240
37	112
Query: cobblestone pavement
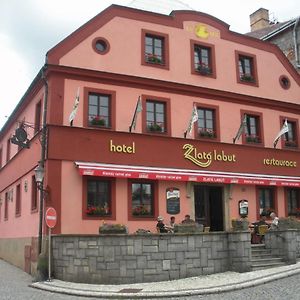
14	286
283	289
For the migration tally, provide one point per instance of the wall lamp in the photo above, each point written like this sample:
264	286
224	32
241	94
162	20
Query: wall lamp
39	173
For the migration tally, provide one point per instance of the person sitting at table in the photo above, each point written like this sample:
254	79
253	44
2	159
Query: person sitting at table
255	237
187	220
275	221
160	226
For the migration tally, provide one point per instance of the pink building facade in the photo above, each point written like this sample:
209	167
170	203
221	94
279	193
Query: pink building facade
163	68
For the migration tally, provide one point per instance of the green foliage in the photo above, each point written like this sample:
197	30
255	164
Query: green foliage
289	223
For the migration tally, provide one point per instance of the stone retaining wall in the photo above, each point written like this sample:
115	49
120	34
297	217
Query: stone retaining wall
114	259
284	243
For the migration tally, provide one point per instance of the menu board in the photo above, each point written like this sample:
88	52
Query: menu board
173	201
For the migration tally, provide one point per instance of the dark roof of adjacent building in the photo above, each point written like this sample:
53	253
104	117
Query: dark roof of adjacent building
267	32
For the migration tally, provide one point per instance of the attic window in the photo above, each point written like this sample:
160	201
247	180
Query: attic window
284	82
101	45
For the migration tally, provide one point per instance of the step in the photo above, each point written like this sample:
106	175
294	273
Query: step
256	267
266	261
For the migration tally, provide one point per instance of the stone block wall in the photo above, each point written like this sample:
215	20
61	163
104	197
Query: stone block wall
284	243
114	259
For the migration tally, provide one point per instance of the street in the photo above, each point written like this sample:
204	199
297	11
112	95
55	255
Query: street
14	286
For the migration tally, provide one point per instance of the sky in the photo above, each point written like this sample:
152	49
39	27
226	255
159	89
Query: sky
29	28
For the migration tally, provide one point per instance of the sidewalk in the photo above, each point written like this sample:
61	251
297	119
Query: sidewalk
200	285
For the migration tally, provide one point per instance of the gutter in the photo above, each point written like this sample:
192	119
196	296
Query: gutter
295	42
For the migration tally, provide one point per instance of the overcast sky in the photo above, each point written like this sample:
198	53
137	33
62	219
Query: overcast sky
29	28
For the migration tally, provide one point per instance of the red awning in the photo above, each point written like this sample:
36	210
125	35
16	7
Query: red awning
154	173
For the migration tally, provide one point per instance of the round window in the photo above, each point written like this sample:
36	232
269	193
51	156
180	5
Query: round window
284	82
101	45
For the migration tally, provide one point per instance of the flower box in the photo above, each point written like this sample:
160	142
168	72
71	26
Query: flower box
141	211
239	225
97	121
252	139
151	58
247	78
155	128
204	70
97	211
206	133
113	229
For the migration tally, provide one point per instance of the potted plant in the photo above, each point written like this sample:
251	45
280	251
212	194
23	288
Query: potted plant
252	139
240	224
97	210
207	133
140	210
291	144
112	229
152	58
155	127
204	69
247	77
97	121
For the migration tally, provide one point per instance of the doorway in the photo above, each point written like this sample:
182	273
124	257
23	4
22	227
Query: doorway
209	206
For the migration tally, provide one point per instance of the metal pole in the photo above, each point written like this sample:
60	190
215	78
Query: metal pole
49	256
42	162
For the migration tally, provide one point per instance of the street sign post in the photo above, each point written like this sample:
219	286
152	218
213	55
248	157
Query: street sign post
50	218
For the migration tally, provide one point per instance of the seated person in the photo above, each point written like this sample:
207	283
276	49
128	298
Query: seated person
275	221
187	220
171	226
160	226
255	238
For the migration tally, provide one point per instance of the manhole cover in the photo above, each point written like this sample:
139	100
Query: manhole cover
130	290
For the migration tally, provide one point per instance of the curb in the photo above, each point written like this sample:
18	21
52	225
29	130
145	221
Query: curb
52	287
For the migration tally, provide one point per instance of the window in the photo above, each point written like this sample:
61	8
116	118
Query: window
246	68
202	60
99	201
155	49
293	202
290	138
99	110
155	116
284	81
6	206
142	199
266	201
252	130
18	200
7	150
34	194
206	123
37	122
101	45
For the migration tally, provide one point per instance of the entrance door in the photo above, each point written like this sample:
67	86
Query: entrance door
209	206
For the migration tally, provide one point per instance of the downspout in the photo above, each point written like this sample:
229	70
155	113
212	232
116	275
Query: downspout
295	42
42	160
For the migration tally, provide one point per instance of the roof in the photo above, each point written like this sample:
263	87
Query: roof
267	32
163	6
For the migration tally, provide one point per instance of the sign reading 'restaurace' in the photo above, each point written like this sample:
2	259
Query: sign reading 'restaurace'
280	163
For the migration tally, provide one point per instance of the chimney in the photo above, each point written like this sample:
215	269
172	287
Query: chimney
259	19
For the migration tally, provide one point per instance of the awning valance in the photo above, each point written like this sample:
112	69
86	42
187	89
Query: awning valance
155	173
